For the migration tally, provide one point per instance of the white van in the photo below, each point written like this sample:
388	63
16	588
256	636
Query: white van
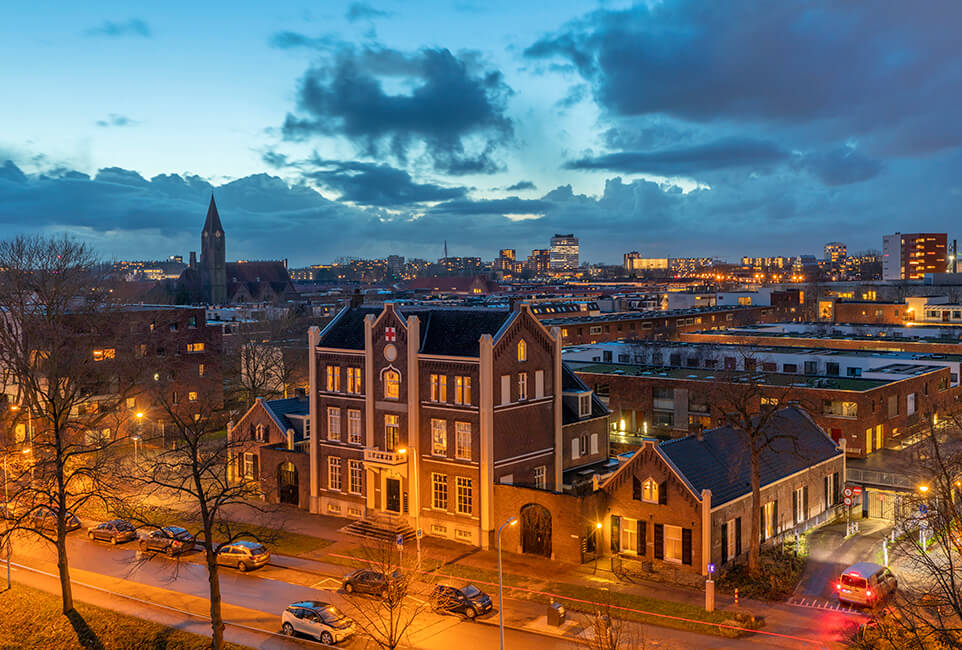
866	584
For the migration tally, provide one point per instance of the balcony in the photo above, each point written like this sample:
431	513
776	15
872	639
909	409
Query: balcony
378	457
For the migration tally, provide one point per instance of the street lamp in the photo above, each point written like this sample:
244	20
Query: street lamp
136	439
417	498
597	532
510	522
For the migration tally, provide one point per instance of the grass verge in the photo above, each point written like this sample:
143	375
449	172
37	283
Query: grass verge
779	571
32	619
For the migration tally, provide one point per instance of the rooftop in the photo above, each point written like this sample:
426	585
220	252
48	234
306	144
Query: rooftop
650	314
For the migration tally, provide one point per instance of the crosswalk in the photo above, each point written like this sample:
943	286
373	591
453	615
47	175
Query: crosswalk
821	603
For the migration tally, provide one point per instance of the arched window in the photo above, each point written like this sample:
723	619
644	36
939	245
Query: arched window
392	384
259	433
649	491
522	350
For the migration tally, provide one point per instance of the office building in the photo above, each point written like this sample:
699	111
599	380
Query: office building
910	256
564	253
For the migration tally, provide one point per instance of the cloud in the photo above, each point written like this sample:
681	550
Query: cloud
363	11
450	105
291	40
687	161
134	27
116	120
842	166
379	185
521	185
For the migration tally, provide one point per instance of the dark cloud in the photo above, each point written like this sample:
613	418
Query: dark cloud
521	185
842	166
134	27
378	185
116	120
511	205
292	40
721	154
833	69
455	108
363	11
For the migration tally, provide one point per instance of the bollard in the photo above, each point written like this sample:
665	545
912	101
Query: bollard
885	552
710	595
736	597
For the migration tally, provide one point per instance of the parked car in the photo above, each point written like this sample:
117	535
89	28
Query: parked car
169	539
467	600
117	531
366	581
866	584
243	555
321	621
44	518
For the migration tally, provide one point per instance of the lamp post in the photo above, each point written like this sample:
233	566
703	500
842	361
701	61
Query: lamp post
137	437
6	506
413	464
510	522
596	533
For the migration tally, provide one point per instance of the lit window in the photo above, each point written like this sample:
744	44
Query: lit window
104	353
250	466
354	426
192	396
439	388
439	491
392	431
462	440
462	390
522	350
392	384
356	476
334	473
131	402
195	347
649	491
334	379
673	543
541	477
333	423
465	496
354	380
200	370
439	437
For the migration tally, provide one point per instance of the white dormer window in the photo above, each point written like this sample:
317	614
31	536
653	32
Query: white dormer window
649	491
584	405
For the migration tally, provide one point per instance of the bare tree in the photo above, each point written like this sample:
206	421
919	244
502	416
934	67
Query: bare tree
265	359
68	366
389	618
604	630
193	474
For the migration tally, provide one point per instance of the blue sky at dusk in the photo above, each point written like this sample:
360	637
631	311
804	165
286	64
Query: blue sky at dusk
346	128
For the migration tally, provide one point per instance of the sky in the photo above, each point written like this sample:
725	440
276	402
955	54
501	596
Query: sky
330	129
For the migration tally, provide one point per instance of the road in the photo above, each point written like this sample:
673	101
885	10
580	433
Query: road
257	599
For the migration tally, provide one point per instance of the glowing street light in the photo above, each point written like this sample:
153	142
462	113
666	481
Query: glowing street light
510	522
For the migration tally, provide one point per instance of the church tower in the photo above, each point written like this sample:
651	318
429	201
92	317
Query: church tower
213	254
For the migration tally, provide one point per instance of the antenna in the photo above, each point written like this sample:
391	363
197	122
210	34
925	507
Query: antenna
445	249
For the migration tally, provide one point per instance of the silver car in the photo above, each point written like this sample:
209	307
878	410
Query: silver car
321	621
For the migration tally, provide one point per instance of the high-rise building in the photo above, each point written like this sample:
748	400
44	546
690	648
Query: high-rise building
564	253
910	256
539	260
835	252
507	254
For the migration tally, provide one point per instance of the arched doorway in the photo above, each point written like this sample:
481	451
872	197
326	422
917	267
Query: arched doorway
536	530
287	483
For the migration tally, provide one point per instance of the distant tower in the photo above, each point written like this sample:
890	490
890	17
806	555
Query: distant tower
445	249
213	265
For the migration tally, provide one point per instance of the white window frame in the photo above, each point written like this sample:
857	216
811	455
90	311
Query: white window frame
629	535
355	469
732	542
462	390
388	426
465	495
439	437
354	432
649	490
392	380
541	477
439	491
334	473
522	386
462	440
672	543
249	465
522	351
333	423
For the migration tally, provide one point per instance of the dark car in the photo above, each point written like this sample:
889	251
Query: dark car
117	531
46	519
243	555
169	539
467	600
366	581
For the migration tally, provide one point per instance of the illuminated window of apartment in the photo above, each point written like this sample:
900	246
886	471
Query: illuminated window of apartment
522	350
439	437
392	431
104	353
334	473
131	402
462	390
439	388
333	423
334	379
392	384
462	440
439	491
355	476
354	380
195	347
192	396
354	426
200	370
142	350
649	491
465	496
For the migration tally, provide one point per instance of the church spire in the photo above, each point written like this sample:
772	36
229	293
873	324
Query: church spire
213	219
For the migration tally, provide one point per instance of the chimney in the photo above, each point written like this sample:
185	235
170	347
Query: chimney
356	299
700	434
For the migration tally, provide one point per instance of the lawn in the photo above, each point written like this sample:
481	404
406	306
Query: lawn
32	619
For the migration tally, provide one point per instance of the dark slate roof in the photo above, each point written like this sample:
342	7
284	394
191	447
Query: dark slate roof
720	461
572	382
346	331
212	224
281	408
456	332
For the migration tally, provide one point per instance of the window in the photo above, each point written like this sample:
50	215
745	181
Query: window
790	368
538	384
200	370
439	491
131	402
522	386
462	440
192	396
629	535
439	388
541	477
465	496
439	437
354	426
522	350
334	473
853	372
392	384
334	379
356	478
768	520
839	409
462	390
649	491
192	322
505	389
392	431
673	543
250	466
333	423
195	347
831	368
354	380
730	528
104	353
584	405
798	500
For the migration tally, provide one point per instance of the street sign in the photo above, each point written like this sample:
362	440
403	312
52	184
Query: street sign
420	533
847	501
847	492
711	569
400	540
857	490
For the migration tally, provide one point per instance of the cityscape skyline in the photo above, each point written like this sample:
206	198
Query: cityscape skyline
398	133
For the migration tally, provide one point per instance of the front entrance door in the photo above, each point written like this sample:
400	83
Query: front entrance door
392	501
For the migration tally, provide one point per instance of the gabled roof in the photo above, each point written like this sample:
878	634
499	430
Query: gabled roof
570	382
280	409
212	224
720	461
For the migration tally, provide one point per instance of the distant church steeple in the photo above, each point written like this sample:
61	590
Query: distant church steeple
213	254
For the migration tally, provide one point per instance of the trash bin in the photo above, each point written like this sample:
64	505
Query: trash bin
556	614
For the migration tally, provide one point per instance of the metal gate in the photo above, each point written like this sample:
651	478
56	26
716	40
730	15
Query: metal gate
287	483
881	505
